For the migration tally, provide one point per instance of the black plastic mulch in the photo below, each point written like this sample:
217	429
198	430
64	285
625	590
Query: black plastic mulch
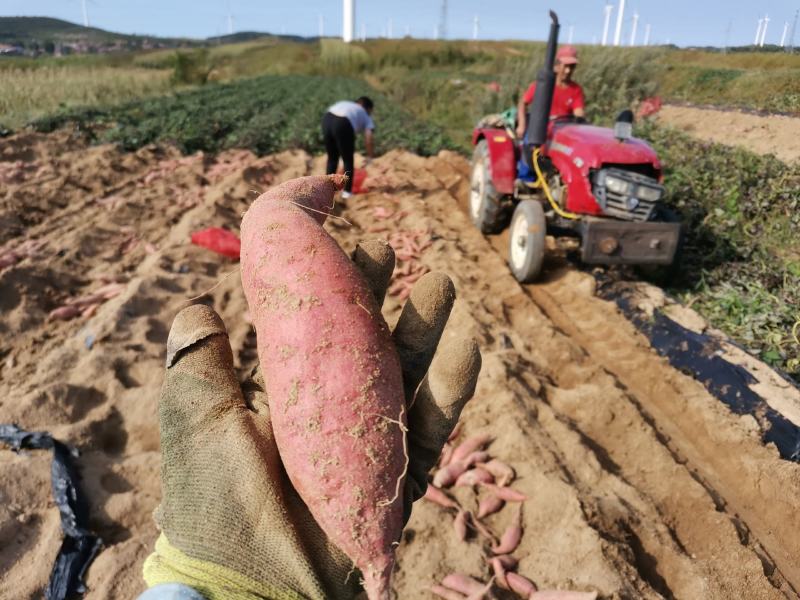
79	546
697	355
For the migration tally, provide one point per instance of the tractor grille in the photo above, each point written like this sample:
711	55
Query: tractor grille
625	194
630	209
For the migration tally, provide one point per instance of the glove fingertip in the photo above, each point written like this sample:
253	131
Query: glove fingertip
375	259
192	324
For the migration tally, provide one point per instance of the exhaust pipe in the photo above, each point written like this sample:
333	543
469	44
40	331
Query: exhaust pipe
539	114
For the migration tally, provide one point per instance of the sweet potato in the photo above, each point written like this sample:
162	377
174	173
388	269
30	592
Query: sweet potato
521	585
489	505
332	373
437	496
499	573
511	536
506	493
446	455
503	473
447	476
463	584
446	593
471	445
473	477
460	524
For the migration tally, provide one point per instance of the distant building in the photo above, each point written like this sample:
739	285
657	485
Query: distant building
9	50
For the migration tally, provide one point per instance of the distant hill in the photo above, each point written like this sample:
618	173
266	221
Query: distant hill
247	36
45	34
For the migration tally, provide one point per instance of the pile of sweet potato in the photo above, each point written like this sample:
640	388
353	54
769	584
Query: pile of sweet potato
470	465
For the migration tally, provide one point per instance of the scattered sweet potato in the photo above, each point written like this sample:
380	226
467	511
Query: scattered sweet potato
511	536
502	472
460	524
489	505
519	584
471	445
506	493
446	593
448	475
474	477
437	496
463	584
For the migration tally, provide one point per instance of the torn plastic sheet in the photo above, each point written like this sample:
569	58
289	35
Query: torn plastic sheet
79	546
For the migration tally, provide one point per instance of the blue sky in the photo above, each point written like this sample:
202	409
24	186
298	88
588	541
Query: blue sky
682	22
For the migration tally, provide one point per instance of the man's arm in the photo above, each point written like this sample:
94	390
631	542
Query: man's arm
580	103
522	117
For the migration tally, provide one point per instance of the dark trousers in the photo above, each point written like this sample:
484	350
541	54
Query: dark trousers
340	141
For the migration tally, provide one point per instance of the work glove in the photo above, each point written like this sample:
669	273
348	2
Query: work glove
232	526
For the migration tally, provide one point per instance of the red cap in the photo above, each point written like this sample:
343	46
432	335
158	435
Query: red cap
567	55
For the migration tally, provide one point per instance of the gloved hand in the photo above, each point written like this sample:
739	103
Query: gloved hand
232	526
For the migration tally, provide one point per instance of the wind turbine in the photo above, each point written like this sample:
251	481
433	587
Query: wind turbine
230	18
785	31
569	35
633	29
85	14
607	9
758	32
475	27
348	20
764	31
647	34
620	15
790	47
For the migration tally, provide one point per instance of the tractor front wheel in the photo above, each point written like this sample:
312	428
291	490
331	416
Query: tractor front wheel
485	206
526	251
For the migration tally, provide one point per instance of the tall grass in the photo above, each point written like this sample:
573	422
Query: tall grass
27	94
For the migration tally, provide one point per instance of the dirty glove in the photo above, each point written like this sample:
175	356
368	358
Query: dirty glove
232	526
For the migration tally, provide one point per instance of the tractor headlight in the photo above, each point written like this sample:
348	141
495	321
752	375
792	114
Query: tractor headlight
616	185
651	194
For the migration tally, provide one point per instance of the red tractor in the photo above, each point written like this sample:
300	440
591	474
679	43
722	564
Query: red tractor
597	183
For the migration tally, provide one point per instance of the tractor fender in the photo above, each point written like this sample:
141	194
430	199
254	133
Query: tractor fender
502	157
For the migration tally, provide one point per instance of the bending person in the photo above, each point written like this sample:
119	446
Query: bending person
340	125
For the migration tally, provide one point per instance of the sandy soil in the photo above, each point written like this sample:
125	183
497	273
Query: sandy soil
640	484
762	134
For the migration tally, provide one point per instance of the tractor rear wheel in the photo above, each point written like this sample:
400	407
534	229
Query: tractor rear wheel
485	206
526	242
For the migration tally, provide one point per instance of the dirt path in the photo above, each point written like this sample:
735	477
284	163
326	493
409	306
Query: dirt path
641	484
762	134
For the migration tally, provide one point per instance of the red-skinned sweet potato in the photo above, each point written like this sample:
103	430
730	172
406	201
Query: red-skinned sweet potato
332	374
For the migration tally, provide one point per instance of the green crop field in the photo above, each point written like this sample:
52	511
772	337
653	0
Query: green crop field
265	114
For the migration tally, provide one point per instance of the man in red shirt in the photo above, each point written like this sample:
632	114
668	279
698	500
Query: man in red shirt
567	95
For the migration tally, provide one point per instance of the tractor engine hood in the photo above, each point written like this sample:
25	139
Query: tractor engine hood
578	150
595	146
